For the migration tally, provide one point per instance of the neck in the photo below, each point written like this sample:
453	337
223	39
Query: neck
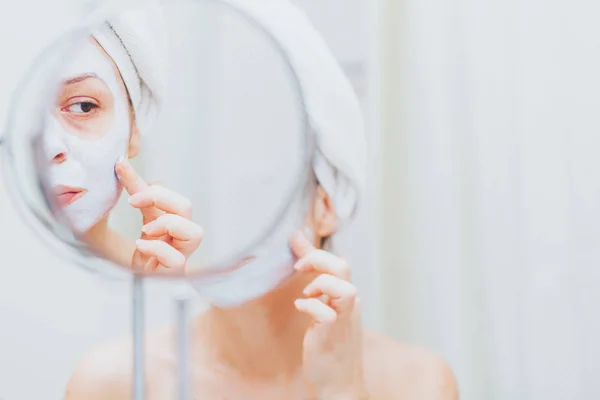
262	338
109	244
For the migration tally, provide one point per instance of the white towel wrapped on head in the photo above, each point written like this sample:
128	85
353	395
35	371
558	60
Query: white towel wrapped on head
136	40
332	105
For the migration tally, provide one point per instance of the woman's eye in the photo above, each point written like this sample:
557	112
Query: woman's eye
82	108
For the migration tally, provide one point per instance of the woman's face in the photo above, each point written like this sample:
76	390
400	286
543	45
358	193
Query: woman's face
87	130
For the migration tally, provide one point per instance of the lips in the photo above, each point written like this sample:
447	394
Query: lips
66	195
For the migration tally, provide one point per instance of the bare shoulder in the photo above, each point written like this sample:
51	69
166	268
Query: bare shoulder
106	371
102	373
399	370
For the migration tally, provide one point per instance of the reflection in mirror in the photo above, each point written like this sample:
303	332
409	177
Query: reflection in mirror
176	150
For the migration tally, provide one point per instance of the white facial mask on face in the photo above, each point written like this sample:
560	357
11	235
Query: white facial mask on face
89	161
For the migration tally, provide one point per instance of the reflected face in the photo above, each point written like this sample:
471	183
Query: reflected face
87	130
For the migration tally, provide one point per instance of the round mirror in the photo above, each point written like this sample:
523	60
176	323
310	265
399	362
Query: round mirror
170	140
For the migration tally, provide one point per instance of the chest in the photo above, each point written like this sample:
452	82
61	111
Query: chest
219	388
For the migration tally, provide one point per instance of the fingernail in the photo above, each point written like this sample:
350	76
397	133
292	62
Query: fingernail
300	266
133	198
145	229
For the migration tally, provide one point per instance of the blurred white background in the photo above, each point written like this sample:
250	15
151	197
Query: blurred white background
479	234
491	190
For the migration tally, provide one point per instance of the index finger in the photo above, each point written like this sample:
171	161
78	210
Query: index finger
129	178
325	263
313	259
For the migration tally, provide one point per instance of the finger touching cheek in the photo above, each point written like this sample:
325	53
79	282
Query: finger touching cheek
129	178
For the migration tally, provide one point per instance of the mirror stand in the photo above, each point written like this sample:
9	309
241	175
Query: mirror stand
182	304
139	378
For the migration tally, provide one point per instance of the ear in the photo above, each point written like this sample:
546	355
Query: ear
325	218
134	142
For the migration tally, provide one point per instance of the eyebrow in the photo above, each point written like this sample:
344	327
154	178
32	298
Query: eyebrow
80	78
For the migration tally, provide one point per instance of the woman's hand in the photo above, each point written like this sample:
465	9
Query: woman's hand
333	344
168	236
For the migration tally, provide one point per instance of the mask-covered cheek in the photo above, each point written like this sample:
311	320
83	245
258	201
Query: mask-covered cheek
97	159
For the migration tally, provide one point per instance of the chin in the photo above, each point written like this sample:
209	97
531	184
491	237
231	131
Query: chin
83	218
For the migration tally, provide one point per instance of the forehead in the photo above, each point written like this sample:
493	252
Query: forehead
89	60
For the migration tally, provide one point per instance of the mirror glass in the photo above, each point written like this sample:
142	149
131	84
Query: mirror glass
168	139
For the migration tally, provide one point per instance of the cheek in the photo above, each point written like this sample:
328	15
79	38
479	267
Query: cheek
97	158
99	141
91	129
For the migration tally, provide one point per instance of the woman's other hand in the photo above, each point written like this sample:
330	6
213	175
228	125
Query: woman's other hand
168	236
332	355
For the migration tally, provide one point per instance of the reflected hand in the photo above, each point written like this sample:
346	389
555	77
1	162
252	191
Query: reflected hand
168	236
332	351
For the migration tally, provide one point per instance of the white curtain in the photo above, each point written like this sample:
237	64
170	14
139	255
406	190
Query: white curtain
490	207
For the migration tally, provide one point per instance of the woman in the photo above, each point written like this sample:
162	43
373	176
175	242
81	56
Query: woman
287	344
101	107
298	337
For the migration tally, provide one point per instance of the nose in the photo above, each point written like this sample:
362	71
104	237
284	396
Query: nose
59	158
54	145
